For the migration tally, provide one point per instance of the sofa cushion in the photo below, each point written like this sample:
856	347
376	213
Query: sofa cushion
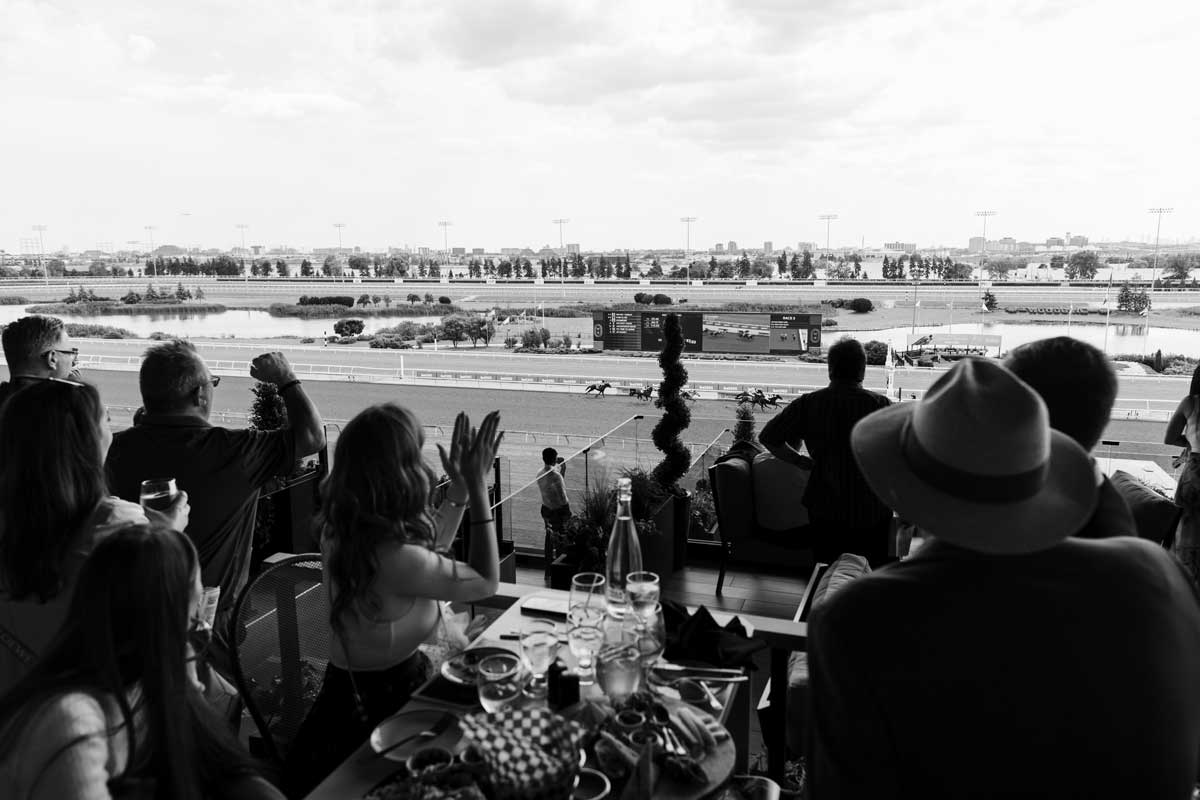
734	493
848	567
778	489
1155	515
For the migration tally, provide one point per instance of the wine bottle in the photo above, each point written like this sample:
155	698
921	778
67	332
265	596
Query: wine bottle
624	552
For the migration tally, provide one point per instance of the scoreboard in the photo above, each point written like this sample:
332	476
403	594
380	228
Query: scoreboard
710	332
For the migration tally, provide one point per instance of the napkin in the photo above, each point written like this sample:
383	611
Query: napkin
698	637
532	753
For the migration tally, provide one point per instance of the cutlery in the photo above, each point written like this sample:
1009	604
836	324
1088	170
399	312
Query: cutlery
437	729
711	678
668	667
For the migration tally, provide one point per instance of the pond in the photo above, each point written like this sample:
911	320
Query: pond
1121	339
240	322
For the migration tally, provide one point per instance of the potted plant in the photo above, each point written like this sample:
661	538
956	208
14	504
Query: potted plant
676	457
582	544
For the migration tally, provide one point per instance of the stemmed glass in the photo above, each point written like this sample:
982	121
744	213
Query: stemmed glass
618	667
651	638
498	682
586	603
643	589
539	642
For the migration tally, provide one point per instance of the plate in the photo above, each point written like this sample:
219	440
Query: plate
406	723
464	667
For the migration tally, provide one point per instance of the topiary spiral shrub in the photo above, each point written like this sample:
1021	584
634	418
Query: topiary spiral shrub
676	415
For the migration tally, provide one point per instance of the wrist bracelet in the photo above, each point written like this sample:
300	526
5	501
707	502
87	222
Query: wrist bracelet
483	521
288	385
455	504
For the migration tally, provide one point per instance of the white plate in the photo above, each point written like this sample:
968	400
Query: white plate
407	723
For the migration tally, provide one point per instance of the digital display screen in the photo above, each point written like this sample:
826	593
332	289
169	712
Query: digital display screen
710	332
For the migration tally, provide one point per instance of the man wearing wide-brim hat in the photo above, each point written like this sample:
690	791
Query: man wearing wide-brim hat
1004	658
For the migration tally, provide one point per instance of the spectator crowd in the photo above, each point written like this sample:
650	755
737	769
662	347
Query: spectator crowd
1034	645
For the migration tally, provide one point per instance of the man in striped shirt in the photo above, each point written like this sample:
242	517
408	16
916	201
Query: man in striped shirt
847	517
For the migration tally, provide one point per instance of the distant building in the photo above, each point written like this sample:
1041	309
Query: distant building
477	251
976	244
510	251
458	251
768	248
731	247
809	246
906	247
1079	241
1006	245
718	248
423	251
1055	241
572	247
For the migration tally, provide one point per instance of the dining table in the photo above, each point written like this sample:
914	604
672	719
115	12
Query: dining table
364	768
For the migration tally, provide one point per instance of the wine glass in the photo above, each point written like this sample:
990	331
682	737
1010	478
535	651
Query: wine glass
585	642
539	642
498	681
158	493
586	604
618	671
651	638
643	589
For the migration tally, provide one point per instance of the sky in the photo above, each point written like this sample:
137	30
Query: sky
903	117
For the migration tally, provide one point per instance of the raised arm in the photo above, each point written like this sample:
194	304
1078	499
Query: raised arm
1178	423
784	433
303	418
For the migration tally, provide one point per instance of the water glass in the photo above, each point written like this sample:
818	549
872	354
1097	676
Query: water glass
619	672
158	493
586	603
643	589
499	682
585	642
539	644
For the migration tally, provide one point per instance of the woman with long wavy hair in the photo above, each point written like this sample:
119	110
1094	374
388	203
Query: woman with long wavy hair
1184	430
54	508
113	709
386	571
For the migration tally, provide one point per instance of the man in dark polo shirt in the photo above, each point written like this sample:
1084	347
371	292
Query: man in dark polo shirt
847	517
222	470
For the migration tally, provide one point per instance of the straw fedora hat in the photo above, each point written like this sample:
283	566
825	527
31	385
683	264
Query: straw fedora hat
975	463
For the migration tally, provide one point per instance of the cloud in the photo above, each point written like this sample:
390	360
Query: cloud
141	48
498	32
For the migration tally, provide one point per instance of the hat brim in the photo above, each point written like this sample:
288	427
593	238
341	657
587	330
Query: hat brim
1063	505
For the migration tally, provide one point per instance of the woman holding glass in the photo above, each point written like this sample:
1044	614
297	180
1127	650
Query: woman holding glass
54	508
386	571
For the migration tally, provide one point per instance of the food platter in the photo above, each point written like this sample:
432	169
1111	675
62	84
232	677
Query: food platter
464	667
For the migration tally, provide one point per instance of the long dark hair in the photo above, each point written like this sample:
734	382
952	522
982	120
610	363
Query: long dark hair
50	483
127	627
378	490
1195	387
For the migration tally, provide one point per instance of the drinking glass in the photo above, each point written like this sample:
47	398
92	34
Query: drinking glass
498	682
585	642
619	672
586	604
652	638
643	589
158	493
539	643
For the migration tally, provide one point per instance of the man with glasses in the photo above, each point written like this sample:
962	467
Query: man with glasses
222	470
36	348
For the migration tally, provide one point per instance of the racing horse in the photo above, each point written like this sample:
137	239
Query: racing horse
642	394
762	401
599	388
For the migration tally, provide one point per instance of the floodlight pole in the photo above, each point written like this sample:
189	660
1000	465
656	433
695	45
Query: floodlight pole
42	254
829	218
153	267
983	257
562	267
1154	273
241	226
687	264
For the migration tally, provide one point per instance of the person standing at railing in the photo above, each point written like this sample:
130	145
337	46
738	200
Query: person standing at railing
37	347
1184	430
556	510
222	470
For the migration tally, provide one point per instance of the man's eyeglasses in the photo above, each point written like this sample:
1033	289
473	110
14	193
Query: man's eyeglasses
73	352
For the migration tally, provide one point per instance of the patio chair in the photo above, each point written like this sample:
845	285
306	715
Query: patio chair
281	648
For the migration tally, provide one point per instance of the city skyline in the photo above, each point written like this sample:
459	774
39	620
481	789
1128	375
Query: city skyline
756	118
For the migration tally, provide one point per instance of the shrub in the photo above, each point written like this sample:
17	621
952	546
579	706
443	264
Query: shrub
643	298
743	430
334	300
531	337
14	300
829	323
676	414
85	330
345	339
307	340
364	337
554	343
444	300
160	336
876	352
861	305
662	300
349	327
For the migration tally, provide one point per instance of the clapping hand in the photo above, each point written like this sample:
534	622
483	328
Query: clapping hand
471	451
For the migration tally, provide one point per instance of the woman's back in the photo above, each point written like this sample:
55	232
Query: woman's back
1191	429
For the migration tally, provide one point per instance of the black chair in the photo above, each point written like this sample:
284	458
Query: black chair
281	638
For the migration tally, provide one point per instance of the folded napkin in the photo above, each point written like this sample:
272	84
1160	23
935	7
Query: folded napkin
532	753
698	637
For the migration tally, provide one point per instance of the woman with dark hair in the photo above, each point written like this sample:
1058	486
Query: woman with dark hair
113	709
54	508
386	572
1184	430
